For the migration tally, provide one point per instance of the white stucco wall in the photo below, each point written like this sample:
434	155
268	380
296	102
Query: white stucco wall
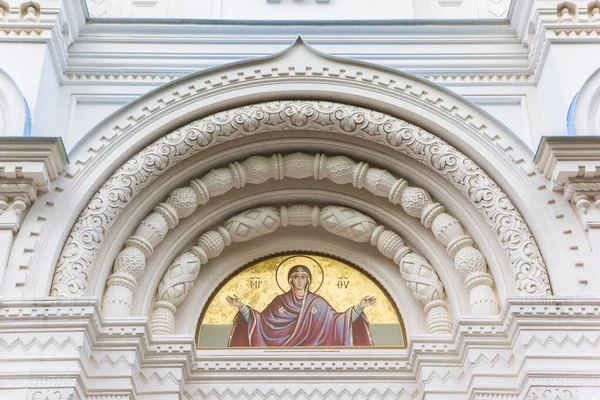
524	71
300	9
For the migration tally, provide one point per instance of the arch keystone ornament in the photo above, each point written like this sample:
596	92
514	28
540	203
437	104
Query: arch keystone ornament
104	208
345	222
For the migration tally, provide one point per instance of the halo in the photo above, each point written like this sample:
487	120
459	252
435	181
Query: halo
315	270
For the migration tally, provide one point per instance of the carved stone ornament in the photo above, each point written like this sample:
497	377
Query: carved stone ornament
182	202
348	223
553	394
104	208
51	394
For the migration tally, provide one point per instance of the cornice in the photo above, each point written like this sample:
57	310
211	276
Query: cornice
99	50
28	166
561	158
49	151
530	345
371	43
157	79
525	313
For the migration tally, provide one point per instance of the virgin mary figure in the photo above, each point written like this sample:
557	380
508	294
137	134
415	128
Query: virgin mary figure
299	318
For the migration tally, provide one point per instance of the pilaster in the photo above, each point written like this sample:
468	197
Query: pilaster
28	165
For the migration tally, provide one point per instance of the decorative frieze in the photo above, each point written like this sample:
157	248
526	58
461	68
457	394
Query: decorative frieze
52	394
126	362
72	271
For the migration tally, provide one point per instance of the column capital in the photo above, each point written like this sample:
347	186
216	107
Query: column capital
28	165
572	165
569	159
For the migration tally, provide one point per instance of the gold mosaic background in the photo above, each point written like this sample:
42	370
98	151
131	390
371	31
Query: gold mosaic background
343	287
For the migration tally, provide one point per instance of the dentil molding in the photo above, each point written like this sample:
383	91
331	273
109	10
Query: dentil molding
479	188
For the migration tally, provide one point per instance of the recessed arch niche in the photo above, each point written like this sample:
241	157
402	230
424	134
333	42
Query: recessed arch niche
342	284
449	116
477	186
179	279
336	169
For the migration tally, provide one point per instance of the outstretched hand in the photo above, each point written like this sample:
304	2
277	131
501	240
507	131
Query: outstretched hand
234	300
368	301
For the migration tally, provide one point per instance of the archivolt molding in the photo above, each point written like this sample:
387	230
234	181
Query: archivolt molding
138	172
179	278
417	202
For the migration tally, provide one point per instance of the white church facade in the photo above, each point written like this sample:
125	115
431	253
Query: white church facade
299	199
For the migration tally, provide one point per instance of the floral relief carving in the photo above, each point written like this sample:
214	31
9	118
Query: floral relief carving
554	394
94	222
51	394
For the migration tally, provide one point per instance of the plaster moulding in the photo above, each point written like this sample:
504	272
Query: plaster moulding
345	222
28	166
157	79
572	165
565	160
513	234
125	351
415	201
299	72
62	27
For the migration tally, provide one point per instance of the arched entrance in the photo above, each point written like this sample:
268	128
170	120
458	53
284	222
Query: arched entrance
430	170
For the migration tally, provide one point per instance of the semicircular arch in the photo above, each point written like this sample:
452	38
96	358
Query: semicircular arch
106	205
297	73
182	238
302	240
183	202
344	222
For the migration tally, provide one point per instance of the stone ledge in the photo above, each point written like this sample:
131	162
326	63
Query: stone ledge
38	159
562	159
